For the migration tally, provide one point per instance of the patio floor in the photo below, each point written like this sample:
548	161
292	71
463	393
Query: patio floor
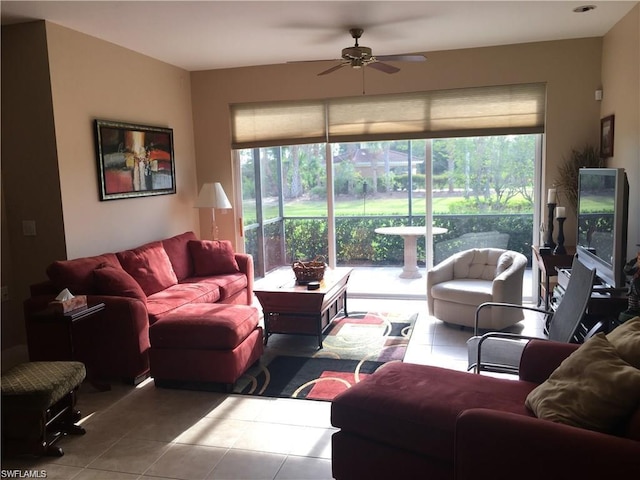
385	283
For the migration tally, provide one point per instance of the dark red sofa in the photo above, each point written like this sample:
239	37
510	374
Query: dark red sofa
418	421
171	273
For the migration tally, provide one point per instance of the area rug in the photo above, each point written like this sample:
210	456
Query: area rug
353	348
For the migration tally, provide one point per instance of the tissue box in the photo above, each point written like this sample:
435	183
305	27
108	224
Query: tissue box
79	301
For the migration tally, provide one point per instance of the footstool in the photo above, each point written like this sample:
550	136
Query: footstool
38	400
203	344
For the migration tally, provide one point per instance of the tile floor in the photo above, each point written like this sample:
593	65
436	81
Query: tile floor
150	433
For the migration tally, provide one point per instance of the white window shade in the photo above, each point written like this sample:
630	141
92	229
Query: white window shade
380	116
493	110
489	110
277	123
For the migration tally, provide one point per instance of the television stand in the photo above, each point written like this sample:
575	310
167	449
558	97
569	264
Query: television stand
604	307
598	287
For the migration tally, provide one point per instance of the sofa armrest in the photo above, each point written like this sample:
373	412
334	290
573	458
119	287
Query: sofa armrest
45	287
123	332
113	342
245	263
501	445
541	357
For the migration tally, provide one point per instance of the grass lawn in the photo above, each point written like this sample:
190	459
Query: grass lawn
355	207
358	207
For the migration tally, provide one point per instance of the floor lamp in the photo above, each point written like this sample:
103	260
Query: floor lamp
212	196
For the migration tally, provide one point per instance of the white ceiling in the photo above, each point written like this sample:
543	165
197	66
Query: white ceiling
202	35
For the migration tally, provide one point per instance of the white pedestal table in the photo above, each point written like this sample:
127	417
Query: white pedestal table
410	236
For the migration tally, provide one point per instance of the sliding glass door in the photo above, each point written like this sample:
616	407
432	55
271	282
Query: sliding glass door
483	192
480	189
284	203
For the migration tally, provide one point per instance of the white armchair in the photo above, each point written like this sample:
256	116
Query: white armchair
459	284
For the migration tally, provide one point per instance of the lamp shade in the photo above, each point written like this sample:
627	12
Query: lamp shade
212	196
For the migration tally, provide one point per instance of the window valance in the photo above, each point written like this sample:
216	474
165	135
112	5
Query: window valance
492	110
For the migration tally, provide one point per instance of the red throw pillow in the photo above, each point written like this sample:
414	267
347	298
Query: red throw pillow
213	257
77	274
112	280
178	252
150	266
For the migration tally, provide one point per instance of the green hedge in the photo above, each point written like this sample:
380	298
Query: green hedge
358	244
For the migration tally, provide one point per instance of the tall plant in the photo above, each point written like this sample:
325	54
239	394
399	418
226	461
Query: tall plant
567	181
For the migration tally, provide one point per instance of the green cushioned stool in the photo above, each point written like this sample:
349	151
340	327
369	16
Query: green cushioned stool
38	400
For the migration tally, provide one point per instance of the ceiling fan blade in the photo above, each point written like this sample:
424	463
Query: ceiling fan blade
383	67
401	58
316	61
334	68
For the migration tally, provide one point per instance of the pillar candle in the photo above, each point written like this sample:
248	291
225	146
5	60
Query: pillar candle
560	213
551	195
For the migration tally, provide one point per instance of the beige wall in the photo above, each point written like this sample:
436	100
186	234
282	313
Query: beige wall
60	81
93	79
621	88
570	68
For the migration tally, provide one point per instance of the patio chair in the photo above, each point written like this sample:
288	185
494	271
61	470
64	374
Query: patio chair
501	351
493	239
457	285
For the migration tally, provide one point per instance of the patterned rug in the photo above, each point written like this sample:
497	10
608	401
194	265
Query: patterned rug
353	348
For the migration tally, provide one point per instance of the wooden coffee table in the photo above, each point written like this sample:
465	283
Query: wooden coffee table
292	308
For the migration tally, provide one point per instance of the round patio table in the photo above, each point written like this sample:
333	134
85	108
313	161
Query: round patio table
410	236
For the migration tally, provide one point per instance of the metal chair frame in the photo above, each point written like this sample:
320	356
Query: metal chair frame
478	365
581	308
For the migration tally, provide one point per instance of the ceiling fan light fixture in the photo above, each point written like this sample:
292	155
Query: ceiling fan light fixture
359	56
356	53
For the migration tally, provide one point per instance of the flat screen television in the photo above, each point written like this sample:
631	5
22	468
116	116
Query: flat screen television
603	198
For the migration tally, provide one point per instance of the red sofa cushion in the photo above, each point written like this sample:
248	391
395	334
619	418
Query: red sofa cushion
213	257
112	280
204	326
178	252
415	407
150	266
228	285
77	274
176	296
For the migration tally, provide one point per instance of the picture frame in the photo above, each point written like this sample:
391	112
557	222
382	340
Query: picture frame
134	160
606	136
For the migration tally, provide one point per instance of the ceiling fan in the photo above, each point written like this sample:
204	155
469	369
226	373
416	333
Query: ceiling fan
360	56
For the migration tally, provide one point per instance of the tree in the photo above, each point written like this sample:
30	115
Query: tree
492	169
523	165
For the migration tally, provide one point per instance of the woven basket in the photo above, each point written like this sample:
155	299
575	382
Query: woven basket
312	271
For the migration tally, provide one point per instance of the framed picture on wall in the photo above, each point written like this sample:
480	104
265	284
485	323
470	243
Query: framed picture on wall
606	136
134	160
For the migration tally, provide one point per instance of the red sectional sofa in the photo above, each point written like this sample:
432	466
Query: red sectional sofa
418	421
139	288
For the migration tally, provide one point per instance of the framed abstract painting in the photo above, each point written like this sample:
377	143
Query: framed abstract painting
134	160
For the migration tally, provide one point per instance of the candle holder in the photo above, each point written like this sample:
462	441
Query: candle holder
560	250
548	241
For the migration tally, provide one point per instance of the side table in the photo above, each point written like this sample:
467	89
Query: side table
58	344
547	265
